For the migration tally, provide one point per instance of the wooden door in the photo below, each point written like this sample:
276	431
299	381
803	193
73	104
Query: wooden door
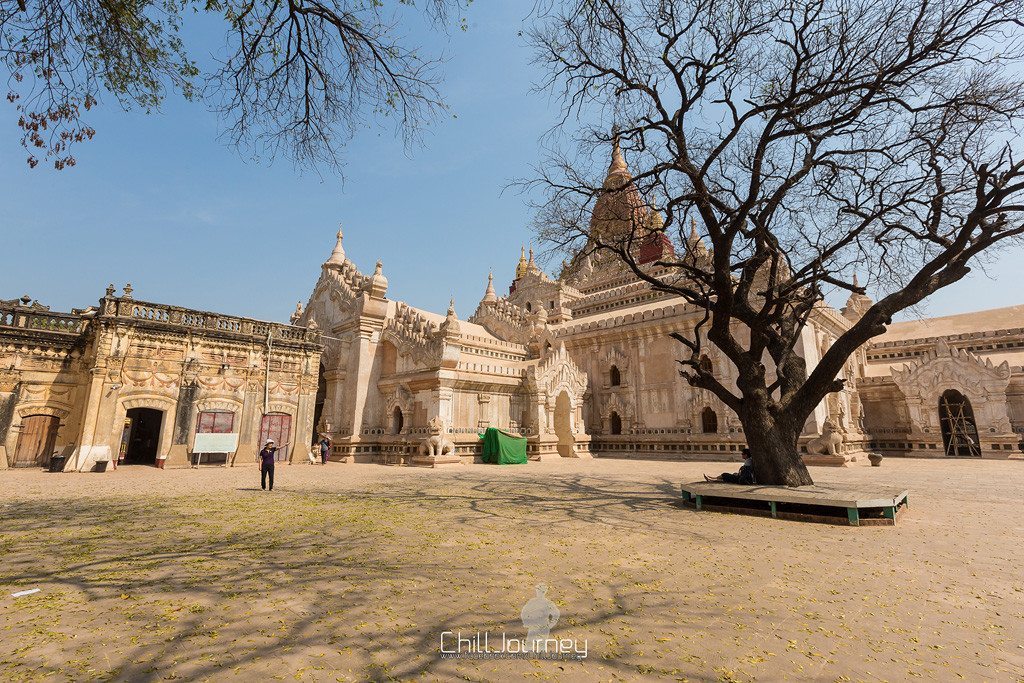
276	426
35	443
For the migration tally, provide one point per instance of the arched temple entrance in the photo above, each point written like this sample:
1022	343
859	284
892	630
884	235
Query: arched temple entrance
397	420
563	425
142	435
709	421
959	430
615	423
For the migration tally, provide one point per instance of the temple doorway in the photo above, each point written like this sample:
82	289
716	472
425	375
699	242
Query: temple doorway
615	423
959	431
321	398
36	440
563	425
142	426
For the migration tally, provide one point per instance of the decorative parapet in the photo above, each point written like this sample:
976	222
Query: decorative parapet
34	317
412	333
129	309
629	294
505	320
907	349
409	325
611	322
347	280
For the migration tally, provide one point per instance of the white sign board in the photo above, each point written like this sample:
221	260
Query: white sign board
215	443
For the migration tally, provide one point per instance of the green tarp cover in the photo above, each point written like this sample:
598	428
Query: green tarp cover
502	448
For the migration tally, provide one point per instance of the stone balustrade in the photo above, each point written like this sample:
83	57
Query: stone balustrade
36	318
214	323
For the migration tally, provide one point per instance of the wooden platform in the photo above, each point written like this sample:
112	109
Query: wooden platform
864	504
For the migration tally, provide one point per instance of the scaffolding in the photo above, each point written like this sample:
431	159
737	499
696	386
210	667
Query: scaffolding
959	431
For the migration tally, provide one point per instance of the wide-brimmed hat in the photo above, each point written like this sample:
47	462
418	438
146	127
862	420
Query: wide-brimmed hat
269	441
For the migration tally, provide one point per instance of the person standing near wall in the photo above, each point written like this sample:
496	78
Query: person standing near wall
325	449
266	463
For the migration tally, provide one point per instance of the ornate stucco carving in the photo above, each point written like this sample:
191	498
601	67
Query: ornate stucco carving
924	380
555	374
621	404
413	335
504	320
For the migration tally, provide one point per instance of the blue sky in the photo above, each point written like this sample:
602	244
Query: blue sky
157	200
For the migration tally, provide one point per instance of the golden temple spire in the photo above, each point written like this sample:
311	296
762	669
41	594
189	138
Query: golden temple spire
522	266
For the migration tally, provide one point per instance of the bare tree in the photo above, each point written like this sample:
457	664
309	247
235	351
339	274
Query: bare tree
301	75
804	140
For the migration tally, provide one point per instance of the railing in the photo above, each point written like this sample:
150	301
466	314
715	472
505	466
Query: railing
45	321
39	319
203	320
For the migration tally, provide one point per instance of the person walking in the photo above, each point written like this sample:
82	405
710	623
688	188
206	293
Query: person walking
266	462
325	449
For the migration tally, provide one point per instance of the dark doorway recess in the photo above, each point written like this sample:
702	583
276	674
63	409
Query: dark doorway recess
144	437
959	431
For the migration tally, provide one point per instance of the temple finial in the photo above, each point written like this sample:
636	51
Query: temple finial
490	296
338	255
378	282
521	267
855	282
618	164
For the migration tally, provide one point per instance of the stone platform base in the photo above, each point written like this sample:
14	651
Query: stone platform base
825	460
848	459
435	461
863	505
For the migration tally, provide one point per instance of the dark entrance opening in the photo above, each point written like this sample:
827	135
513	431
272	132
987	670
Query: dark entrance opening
318	407
616	423
709	421
959	431
144	435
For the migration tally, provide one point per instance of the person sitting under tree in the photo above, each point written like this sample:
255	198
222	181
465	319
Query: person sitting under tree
744	476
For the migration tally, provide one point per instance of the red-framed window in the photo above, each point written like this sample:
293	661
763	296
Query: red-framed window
215	422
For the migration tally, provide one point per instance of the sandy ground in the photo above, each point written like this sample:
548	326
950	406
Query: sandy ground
352	572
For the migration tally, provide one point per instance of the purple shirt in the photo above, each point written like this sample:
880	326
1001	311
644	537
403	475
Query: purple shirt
267	456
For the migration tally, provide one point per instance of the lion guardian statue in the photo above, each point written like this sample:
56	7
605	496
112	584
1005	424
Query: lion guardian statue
829	442
437	443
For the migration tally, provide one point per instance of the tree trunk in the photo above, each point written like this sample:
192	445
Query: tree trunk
775	451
